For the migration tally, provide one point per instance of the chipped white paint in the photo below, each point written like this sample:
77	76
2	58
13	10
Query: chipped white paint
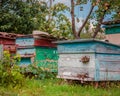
71	65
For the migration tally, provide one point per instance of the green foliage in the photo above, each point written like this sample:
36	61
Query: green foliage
37	72
21	16
10	72
111	7
56	23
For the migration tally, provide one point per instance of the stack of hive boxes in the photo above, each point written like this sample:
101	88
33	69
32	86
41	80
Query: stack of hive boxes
7	40
25	47
112	31
37	48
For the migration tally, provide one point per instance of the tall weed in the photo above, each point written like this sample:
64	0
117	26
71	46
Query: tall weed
10	71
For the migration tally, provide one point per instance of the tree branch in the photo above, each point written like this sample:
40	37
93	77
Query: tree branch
73	20
84	23
99	25
101	20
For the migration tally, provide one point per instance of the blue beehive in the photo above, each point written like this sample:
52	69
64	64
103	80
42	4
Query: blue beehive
26	49
88	60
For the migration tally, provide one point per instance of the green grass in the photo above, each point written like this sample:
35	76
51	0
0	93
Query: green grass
56	87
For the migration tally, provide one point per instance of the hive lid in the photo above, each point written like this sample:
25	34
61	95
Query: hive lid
85	40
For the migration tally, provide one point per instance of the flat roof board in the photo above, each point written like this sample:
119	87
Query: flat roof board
112	30
109	26
84	40
87	46
111	22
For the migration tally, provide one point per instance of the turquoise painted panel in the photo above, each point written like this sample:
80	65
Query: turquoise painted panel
106	48
112	30
97	70
110	26
109	66
25	61
76	47
25	41
26	51
88	47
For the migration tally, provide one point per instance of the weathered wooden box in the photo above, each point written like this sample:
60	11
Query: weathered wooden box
40	51
47	57
25	48
8	42
112	31
88	60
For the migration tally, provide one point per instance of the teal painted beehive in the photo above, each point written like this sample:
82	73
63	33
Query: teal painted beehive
41	52
88	60
112	31
46	57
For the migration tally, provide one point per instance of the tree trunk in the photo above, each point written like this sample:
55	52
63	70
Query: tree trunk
99	24
50	17
101	20
84	23
73	20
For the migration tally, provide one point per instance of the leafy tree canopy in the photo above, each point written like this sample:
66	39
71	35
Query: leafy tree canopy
24	16
19	16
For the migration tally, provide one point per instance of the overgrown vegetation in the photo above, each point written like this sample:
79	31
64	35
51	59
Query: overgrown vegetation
37	72
10	72
42	82
57	87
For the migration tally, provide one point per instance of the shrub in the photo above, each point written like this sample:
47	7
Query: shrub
10	71
37	72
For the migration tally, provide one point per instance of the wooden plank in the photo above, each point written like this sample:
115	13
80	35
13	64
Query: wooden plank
26	51
70	65
27	41
7	41
10	48
104	48
44	43
75	48
1	51
109	66
113	38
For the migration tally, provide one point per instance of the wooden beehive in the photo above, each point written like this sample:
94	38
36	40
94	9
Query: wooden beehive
25	47
39	50
88	60
112	31
46	51
8	42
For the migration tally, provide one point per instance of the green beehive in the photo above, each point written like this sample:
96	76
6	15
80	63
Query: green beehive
112	31
47	58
